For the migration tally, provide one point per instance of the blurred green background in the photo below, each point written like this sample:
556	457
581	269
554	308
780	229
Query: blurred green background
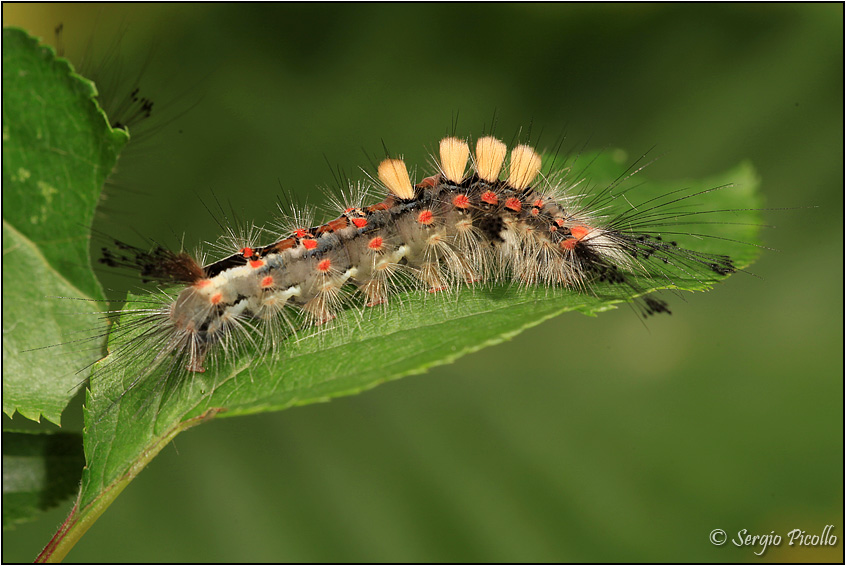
580	440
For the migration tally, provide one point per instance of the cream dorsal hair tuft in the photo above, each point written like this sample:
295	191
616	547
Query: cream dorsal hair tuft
525	166
454	156
490	154
394	174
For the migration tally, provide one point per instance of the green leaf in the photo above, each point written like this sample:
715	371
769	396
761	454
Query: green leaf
39	472
58	149
128	422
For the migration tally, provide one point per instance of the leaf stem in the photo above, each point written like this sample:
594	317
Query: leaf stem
78	522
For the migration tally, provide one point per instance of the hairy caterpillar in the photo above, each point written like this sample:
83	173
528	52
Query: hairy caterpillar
492	223
640	427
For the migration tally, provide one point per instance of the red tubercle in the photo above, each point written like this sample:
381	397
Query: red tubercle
461	201
579	231
538	203
300	233
490	197
514	204
202	283
324	265
560	222
425	217
256	263
247	252
359	222
375	243
216	298
308	243
267	282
